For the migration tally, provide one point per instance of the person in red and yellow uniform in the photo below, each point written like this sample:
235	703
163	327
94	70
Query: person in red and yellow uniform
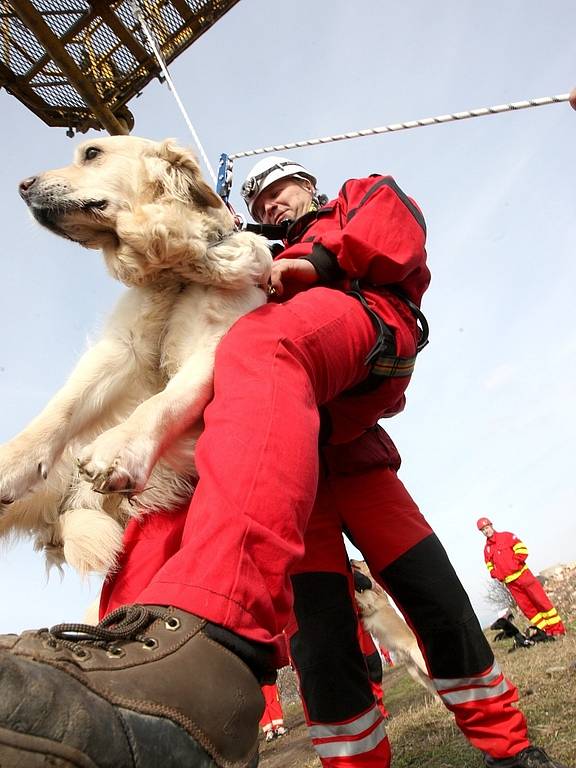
272	721
505	556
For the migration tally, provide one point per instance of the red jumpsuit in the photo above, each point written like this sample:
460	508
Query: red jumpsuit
505	556
286	376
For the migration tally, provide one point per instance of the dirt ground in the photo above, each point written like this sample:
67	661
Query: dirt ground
293	750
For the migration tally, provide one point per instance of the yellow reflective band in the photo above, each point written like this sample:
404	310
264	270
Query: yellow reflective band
536	617
549	614
490	566
514	576
551	622
519	545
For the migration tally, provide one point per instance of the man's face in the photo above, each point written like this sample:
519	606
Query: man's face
284	199
488	531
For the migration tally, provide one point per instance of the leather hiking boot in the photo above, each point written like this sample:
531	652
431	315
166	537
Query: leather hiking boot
531	757
145	688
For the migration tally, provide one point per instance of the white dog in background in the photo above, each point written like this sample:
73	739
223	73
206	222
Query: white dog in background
117	439
382	620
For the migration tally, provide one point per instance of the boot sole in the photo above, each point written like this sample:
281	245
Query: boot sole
20	750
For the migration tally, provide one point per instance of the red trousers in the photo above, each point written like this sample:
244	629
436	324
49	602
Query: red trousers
273	716
535	604
229	556
258	463
383	521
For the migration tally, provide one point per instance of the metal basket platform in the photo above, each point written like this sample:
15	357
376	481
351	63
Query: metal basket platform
76	64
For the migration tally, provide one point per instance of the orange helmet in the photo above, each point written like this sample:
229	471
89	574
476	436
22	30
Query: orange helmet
482	523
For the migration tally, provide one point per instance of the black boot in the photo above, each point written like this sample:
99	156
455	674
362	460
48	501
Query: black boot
531	757
146	688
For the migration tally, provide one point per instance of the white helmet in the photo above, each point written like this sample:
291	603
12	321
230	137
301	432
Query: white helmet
266	172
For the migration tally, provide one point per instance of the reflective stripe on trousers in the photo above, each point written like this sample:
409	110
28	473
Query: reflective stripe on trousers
358	736
469	689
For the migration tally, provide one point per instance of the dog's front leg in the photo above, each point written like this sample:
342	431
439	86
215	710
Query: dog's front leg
27	460
101	378
122	458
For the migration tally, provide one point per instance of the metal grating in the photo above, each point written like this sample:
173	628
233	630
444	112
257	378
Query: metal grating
77	63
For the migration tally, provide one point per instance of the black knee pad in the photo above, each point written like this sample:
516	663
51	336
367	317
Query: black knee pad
426	588
325	649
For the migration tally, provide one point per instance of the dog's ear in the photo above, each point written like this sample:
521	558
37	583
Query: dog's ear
180	177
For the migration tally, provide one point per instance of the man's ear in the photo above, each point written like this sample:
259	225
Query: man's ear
180	177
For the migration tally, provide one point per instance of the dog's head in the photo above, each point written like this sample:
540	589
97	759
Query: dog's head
368	593
506	626
117	185
368	601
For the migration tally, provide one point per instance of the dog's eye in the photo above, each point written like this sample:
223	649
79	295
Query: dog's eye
91	152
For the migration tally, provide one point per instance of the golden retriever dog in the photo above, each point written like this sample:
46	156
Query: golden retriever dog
382	620
117	440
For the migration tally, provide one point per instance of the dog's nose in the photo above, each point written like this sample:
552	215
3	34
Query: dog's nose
25	186
361	582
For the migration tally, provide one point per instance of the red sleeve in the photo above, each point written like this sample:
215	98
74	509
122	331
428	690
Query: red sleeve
520	550
382	237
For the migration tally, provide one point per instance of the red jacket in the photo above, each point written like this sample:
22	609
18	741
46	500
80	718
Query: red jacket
372	232
505	556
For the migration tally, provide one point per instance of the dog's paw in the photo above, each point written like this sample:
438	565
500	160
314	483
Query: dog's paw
24	464
117	462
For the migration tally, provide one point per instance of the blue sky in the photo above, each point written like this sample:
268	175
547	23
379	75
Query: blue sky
490	422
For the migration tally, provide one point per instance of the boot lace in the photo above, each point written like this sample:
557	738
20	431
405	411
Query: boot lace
127	623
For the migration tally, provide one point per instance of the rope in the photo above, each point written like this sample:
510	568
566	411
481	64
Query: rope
393	127
137	11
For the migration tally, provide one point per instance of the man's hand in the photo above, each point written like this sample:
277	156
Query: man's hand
292	274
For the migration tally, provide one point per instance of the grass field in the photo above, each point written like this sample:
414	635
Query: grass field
422	732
